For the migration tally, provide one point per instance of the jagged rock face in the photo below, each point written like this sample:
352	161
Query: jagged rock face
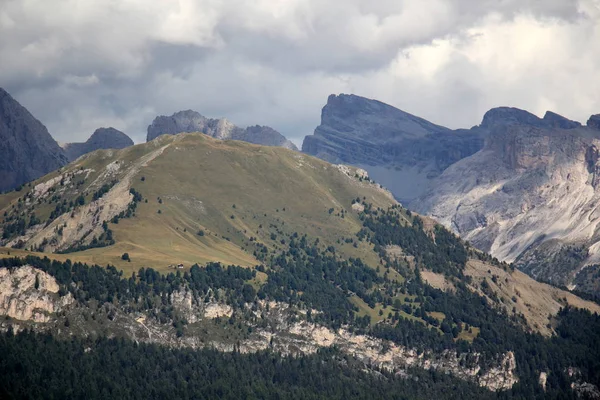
511	116
29	294
399	150
530	196
558	121
102	138
27	151
527	195
594	122
191	121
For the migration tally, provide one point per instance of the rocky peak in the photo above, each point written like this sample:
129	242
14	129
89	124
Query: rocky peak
510	116
105	137
399	150
27	151
372	119
102	138
192	121
558	121
594	122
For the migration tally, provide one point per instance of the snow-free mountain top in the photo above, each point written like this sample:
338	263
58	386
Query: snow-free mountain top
102	138
27	150
522	187
391	144
192	121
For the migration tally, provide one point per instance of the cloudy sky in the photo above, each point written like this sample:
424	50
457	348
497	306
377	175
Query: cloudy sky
81	64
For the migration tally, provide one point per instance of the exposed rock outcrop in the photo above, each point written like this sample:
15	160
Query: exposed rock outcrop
27	151
102	138
511	116
521	187
191	121
558	121
29	294
594	122
530	196
399	150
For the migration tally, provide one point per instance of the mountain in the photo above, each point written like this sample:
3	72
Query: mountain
191	121
102	138
399	150
227	189
518	186
529	196
268	266
27	151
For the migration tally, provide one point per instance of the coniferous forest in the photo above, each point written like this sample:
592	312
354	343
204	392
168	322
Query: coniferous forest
38	365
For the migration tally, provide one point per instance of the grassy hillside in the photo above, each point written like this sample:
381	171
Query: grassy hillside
239	197
189	199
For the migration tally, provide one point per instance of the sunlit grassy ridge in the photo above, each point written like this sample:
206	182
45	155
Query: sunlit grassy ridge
232	193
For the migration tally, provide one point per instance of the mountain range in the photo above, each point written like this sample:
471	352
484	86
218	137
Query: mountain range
211	252
102	138
191	264
518	186
192	121
29	151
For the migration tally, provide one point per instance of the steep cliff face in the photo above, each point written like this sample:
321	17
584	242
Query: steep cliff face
530	196
521	187
28	294
399	150
27	151
102	138
191	121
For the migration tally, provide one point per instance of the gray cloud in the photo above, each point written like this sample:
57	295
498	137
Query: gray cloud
81	64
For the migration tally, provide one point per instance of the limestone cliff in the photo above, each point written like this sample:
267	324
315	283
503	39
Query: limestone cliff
191	121
27	151
530	196
28	294
399	150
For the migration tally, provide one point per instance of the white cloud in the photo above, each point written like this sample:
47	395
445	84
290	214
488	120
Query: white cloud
80	64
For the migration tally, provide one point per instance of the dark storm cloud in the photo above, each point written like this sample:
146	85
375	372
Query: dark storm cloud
81	64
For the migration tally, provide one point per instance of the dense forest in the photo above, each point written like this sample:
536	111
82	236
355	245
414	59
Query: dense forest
38	366
307	274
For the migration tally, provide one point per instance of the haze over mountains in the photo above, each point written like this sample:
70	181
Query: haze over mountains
192	121
28	150
401	151
255	249
521	187
102	138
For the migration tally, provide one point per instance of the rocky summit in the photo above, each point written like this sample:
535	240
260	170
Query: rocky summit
102	138
518	186
192	121
398	149
529	196
27	151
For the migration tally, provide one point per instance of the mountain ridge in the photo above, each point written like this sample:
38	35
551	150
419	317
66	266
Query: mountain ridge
490	184
192	121
102	138
28	150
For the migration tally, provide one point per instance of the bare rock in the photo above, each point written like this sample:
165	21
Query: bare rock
594	122
27	151
399	150
192	121
102	138
29	294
